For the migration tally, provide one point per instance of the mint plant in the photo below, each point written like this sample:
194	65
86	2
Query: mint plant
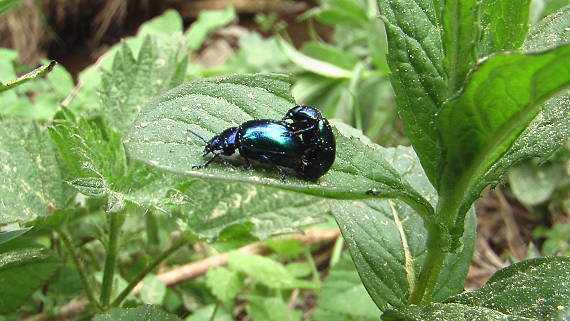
476	96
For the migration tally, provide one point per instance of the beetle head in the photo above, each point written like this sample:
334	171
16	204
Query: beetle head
303	114
225	141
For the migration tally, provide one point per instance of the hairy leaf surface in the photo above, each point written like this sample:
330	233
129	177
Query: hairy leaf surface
478	127
415	57
387	240
31	183
536	289
160	138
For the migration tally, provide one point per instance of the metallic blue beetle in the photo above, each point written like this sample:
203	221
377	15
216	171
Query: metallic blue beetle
306	145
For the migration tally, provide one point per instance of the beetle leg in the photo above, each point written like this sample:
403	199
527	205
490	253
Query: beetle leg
247	165
300	131
216	155
279	170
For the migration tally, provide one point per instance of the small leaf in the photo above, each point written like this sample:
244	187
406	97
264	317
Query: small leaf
207	22
415	57
330	54
274	309
166	24
131	82
316	66
533	184
343	12
225	284
205	314
38	72
153	290
263	269
90	186
141	313
343	296
24	267
460	39
7	236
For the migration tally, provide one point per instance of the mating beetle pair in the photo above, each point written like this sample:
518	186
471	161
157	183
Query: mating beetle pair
306	145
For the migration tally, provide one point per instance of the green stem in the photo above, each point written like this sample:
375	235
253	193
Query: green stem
173	248
82	273
337	251
314	271
115	222
429	275
213	316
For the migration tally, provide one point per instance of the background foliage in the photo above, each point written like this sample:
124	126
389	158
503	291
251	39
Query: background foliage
99	193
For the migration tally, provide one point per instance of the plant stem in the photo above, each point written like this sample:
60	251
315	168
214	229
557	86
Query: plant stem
115	222
213	316
429	275
82	273
173	248
337	251
314	271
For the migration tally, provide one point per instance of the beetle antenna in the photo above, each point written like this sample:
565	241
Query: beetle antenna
195	134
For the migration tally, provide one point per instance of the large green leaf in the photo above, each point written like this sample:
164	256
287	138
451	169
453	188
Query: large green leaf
449	312
479	126
160	138
550	31
216	206
540	287
31	183
504	25
460	40
551	127
141	313
387	240
534	289
415	57
343	297
24	267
